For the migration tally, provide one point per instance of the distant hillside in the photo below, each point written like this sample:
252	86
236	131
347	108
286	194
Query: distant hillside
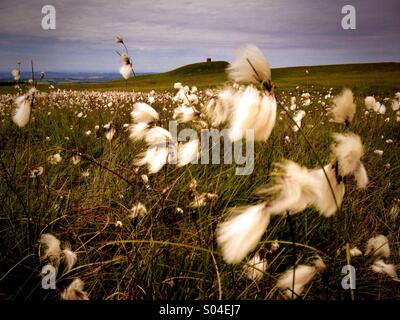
365	76
372	76
202	74
65	77
200	68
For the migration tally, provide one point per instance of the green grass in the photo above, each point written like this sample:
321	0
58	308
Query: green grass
168	254
373	78
201	74
378	78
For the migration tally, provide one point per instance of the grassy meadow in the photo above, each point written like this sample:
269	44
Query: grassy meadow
171	252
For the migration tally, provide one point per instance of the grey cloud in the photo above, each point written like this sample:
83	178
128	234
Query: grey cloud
165	34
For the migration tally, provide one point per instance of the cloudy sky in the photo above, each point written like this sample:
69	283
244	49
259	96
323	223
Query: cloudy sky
162	35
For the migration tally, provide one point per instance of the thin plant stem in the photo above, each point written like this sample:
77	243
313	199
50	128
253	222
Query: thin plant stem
348	258
168	243
11	186
92	160
291	229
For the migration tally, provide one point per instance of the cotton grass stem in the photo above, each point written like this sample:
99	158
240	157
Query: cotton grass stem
16	265
348	257
92	160
289	220
12	187
297	245
218	276
166	243
316	155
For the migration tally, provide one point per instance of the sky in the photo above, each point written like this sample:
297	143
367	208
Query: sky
162	35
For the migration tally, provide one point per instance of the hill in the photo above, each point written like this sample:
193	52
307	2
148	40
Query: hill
202	74
369	77
200	68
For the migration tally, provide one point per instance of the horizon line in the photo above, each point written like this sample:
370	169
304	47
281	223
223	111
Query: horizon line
157	72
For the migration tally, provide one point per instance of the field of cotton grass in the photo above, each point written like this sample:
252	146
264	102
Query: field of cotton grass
94	185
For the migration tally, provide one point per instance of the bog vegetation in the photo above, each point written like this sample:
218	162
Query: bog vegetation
88	185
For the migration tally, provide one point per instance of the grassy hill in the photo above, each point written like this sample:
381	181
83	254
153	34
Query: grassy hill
370	77
203	74
373	77
215	67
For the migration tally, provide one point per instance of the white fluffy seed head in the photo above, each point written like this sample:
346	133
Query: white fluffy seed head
193	99
344	108
298	118
303	275
203	199
245	113
250	66
142	112
184	114
54	158
348	151
295	188
292	188
370	102
240	234
182	95
355	252
178	85
378	246
70	257
219	108
138	210
381	109
75	291
138	131
361	176
22	113
110	134
52	244
16	74
325	202
253	110
266	118
319	264
155	158
380	266
36	172
395	105
188	152
158	136
255	268
125	70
